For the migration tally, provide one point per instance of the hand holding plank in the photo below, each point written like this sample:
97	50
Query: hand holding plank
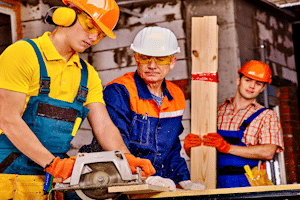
191	140
216	140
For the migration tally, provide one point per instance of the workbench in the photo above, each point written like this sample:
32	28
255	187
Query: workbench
259	192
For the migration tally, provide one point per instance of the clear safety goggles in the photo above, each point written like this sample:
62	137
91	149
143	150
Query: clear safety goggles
90	26
163	60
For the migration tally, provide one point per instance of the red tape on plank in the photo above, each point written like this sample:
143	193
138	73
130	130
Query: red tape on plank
210	77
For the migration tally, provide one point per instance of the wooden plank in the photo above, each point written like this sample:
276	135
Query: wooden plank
137	189
199	193
204	97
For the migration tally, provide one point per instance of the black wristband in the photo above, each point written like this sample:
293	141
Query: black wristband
48	165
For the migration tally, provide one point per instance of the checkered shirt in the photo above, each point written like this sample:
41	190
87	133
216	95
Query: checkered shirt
264	129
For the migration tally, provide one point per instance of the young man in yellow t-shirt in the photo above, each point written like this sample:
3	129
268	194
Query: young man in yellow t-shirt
46	91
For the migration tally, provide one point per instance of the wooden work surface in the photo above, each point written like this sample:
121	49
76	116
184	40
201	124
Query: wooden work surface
137	189
199	193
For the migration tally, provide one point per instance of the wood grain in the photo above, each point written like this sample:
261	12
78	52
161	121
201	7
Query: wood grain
137	189
204	97
199	193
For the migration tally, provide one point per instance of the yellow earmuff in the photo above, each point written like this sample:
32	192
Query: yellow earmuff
64	16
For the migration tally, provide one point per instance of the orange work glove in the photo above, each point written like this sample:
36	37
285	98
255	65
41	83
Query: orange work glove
145	164
61	168
216	140
191	140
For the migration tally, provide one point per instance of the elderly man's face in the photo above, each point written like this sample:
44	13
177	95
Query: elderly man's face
152	72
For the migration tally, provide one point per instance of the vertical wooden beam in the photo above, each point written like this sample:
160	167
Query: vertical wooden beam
204	97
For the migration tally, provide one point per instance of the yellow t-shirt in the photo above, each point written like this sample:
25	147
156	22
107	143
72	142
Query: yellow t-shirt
20	72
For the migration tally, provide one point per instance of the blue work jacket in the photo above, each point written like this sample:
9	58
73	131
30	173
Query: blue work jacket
149	131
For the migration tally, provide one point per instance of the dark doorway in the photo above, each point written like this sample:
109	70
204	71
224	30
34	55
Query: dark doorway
5	31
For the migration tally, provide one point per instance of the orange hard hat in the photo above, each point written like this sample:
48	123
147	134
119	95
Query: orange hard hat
257	70
104	12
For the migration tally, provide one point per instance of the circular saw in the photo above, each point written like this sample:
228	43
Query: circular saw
93	173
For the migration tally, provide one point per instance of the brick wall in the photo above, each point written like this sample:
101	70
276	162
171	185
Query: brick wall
289	115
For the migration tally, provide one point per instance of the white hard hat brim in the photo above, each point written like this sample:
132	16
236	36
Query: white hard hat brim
154	53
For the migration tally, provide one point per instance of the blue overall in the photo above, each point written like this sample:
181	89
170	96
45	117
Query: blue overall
50	119
230	170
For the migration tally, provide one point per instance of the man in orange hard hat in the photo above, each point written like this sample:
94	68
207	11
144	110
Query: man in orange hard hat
46	92
247	131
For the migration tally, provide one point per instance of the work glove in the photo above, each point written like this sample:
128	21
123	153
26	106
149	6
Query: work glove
216	140
189	185
144	164
159	181
61	168
191	140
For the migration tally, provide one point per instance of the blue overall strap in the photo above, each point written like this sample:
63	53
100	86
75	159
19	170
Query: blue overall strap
45	79
83	90
246	122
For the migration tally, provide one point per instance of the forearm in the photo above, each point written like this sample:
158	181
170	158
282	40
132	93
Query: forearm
25	141
106	133
111	140
17	131
262	152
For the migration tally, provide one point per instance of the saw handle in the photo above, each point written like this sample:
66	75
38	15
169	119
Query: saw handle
140	177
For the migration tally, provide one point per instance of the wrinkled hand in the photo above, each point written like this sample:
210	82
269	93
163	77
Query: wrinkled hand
191	140
164	182
144	164
216	140
189	185
61	168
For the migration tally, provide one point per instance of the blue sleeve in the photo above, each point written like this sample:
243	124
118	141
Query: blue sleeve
117	102
177	168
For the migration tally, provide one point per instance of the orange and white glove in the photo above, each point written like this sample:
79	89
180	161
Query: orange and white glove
144	164
216	140
61	168
191	140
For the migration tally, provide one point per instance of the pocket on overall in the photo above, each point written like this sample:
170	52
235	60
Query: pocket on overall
57	136
52	121
140	129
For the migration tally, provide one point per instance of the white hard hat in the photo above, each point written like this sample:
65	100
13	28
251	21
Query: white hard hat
155	41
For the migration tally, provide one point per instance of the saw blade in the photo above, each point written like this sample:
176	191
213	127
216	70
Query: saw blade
102	174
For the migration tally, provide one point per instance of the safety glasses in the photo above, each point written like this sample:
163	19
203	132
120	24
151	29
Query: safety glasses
163	60
89	25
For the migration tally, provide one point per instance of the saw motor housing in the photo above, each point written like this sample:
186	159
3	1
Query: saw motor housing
99	169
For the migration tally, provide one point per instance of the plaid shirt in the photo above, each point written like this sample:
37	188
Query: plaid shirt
264	129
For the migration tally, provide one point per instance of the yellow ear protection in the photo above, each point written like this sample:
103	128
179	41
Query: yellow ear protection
62	16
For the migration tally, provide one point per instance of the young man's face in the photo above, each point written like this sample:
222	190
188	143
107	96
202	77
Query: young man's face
84	33
152	72
249	88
